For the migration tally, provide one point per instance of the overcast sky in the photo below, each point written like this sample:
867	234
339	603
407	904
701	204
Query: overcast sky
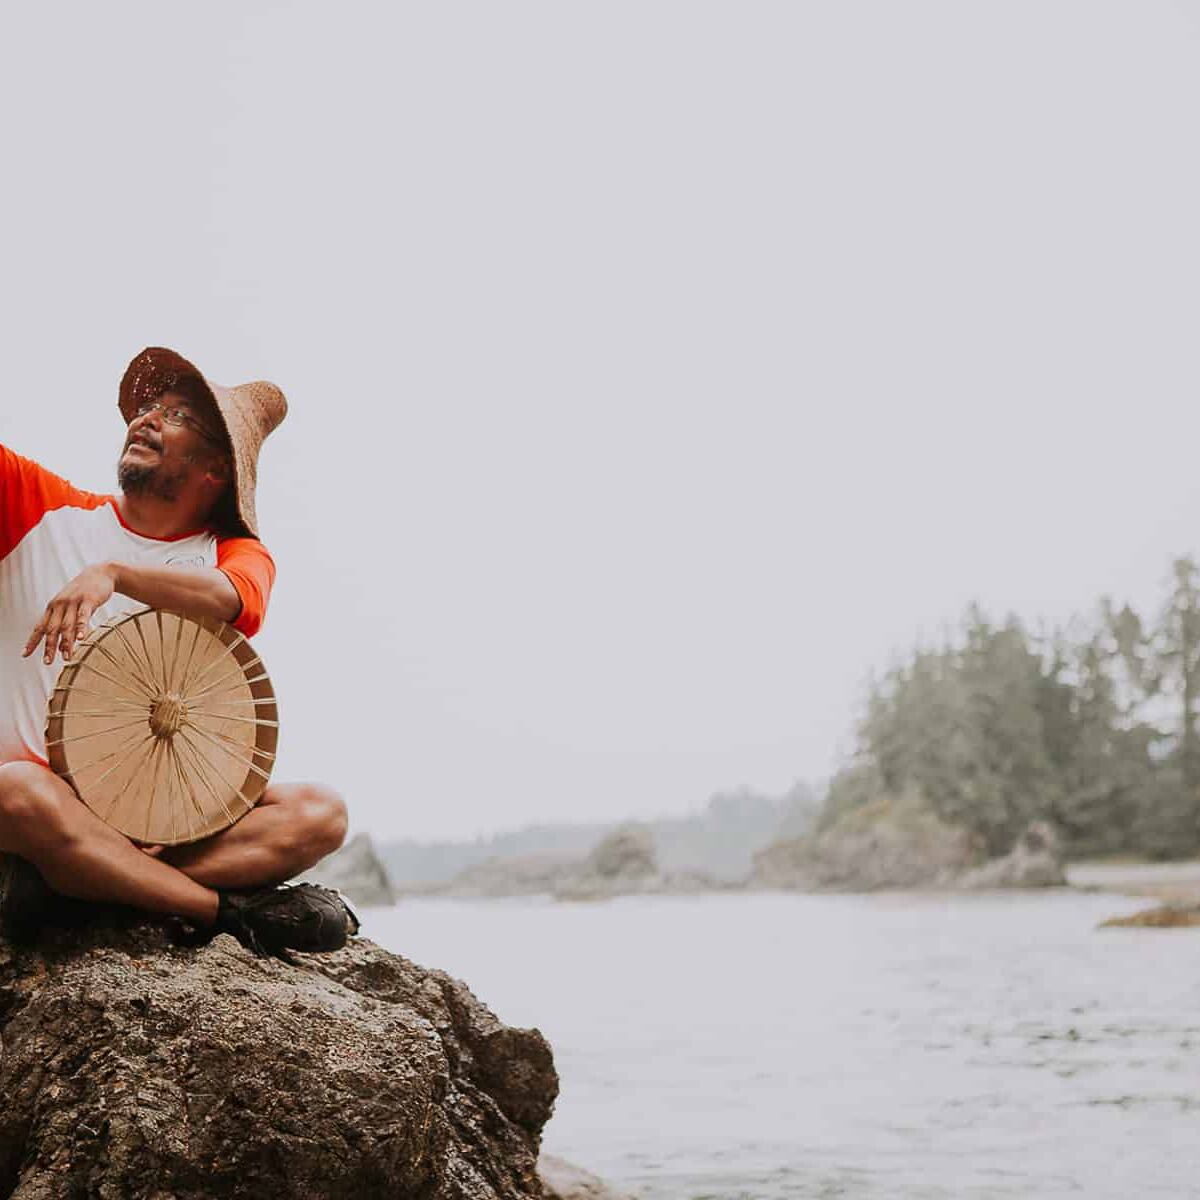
656	370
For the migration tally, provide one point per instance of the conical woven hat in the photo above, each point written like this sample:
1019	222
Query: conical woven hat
249	412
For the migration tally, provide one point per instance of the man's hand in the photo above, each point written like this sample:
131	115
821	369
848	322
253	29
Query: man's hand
67	616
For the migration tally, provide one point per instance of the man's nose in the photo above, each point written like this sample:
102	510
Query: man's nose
154	415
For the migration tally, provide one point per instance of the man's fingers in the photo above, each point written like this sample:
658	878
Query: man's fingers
34	638
70	628
53	629
75	626
83	621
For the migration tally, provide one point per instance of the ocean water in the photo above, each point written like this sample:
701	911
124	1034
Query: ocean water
888	1046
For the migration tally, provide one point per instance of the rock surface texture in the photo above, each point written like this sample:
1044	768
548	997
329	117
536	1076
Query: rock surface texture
356	870
132	1068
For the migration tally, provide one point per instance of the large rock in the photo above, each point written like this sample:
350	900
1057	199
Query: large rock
886	844
135	1069
1036	860
621	864
628	854
358	871
625	863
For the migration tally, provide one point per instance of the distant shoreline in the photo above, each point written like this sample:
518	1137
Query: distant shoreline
1170	882
1174	883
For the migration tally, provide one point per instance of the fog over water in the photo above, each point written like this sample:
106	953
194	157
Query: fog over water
656	371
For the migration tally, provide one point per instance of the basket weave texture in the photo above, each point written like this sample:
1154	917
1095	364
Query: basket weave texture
166	726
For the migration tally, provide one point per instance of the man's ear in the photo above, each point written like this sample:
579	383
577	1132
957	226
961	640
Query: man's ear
219	470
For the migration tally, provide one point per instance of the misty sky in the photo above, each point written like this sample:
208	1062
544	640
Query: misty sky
656	370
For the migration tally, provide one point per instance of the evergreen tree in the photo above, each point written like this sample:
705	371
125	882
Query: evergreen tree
1179	660
1094	728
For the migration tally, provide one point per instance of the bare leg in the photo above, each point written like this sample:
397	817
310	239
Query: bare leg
291	828
43	821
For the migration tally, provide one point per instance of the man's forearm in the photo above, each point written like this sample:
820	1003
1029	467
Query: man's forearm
193	591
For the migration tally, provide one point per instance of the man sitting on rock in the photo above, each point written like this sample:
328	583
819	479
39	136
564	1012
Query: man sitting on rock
181	535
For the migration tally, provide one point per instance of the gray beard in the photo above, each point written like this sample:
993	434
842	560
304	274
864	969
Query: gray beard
135	480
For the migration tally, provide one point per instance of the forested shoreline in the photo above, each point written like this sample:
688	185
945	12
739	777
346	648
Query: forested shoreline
1091	727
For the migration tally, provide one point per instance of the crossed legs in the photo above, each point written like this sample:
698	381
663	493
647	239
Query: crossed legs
291	828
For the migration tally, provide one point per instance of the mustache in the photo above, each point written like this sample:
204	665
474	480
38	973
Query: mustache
144	437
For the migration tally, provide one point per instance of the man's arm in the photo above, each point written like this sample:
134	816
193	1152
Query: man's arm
193	591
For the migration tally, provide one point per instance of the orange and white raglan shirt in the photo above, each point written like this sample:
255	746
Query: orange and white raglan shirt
49	532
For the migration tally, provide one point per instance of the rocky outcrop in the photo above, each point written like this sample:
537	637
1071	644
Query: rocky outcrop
627	854
563	1181
625	863
135	1069
1035	861
620	863
518	875
886	844
1167	916
357	871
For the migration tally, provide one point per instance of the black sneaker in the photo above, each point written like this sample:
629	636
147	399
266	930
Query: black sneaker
26	900
292	916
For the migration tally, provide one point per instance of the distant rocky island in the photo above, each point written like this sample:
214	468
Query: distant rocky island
623	863
742	841
357	871
905	845
716	844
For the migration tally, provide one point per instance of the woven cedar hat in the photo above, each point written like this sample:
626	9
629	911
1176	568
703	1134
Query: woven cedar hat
249	412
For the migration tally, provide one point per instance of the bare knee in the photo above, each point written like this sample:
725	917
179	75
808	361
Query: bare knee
31	805
319	820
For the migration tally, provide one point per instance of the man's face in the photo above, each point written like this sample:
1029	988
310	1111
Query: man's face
159	457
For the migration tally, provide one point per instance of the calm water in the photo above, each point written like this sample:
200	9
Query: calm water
847	1046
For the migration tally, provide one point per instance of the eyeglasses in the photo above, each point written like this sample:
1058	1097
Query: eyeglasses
175	417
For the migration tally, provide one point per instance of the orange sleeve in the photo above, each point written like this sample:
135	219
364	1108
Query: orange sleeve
251	569
28	492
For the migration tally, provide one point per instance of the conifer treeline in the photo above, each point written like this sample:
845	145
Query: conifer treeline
1093	727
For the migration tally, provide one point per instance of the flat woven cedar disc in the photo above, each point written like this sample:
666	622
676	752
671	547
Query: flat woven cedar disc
164	725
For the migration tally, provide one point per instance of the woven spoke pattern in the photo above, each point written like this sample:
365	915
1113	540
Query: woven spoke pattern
165	726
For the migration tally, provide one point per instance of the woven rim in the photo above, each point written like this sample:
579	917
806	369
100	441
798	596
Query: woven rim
165	726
